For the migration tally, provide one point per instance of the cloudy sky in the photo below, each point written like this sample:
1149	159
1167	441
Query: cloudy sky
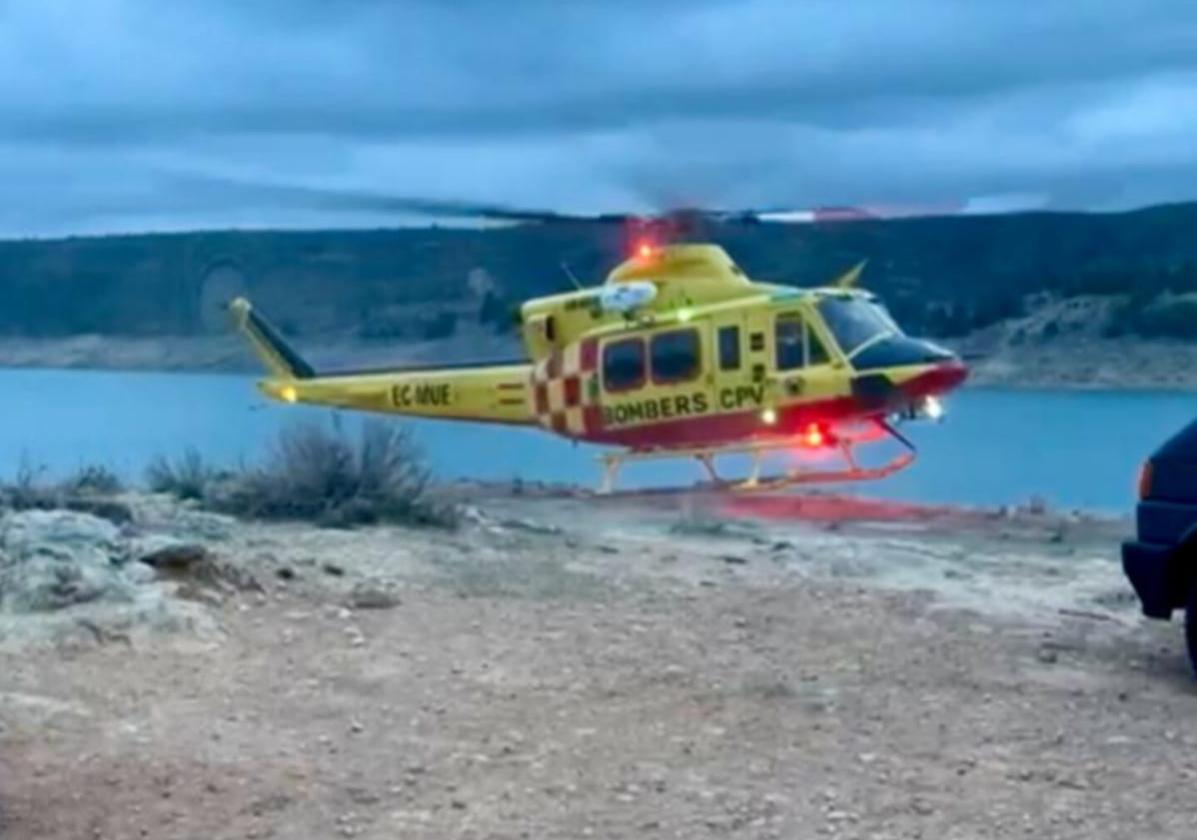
120	115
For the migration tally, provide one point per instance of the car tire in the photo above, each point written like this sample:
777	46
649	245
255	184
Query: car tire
1191	627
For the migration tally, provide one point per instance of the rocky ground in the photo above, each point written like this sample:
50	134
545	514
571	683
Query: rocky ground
564	666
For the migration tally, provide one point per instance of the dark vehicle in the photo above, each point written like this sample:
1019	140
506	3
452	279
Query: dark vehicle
1161	562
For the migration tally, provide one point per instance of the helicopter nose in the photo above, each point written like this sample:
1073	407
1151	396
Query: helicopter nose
927	369
946	373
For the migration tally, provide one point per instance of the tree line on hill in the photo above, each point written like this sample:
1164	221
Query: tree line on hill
939	276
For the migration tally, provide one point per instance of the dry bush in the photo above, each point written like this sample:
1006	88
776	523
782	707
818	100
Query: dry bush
185	477
28	489
326	475
88	488
93	480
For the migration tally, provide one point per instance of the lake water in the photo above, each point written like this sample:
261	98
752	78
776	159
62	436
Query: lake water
1075	449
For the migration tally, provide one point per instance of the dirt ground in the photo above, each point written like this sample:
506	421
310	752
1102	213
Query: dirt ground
638	667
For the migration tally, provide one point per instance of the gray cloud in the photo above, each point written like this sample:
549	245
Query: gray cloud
105	106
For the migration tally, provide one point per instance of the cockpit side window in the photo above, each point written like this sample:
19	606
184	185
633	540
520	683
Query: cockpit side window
796	344
816	351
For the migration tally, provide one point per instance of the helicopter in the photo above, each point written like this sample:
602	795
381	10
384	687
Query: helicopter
678	353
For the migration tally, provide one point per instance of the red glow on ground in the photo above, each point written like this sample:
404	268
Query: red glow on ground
829	508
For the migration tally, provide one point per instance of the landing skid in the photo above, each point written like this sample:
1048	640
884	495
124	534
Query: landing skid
850	471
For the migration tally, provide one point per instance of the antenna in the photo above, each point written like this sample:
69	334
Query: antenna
572	277
849	278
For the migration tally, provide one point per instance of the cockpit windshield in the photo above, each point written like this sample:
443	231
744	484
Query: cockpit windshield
854	321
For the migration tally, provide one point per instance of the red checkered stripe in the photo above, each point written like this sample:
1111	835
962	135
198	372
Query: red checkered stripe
565	390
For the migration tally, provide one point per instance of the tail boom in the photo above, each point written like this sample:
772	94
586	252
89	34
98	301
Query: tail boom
482	393
485	393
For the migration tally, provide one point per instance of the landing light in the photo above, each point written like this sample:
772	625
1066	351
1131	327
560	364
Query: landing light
289	394
684	314
768	417
933	408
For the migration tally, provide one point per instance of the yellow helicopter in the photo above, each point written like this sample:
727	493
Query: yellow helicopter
677	354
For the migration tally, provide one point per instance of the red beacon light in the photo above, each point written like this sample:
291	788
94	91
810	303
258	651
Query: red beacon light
645	250
814	436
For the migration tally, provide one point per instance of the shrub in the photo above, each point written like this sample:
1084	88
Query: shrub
28	490
325	475
186	477
93	479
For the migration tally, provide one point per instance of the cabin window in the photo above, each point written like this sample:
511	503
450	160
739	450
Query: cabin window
623	364
729	348
675	356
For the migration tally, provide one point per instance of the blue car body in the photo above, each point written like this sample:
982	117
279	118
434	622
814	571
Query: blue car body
1160	560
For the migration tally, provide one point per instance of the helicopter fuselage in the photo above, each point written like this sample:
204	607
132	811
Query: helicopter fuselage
689	352
761	367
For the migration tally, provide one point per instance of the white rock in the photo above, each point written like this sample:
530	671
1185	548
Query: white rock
29	530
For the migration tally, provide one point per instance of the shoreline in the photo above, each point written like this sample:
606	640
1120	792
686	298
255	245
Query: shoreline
252	373
1116	365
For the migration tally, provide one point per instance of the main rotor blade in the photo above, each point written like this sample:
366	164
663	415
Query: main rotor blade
339	198
349	199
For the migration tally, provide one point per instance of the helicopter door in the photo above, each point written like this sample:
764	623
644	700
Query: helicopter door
802	364
654	378
676	364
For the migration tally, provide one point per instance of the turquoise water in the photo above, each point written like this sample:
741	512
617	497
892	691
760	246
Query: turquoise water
1075	449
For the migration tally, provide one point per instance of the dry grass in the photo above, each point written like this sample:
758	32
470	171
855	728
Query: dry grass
93	480
31	488
28	489
318	473
186	477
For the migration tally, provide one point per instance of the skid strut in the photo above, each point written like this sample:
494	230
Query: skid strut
850	471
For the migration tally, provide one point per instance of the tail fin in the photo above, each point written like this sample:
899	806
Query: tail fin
280	359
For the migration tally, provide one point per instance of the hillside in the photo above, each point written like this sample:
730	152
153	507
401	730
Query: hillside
948	277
